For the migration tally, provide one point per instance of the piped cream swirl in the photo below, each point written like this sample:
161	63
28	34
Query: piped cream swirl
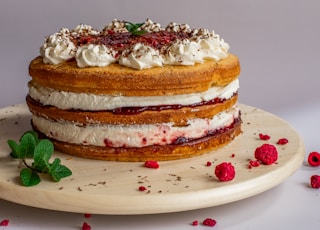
201	45
94	55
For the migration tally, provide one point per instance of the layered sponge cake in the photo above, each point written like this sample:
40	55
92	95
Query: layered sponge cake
135	92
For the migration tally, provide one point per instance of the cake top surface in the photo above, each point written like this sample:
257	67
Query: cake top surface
138	46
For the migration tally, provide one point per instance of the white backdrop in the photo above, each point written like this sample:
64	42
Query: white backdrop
277	41
278	46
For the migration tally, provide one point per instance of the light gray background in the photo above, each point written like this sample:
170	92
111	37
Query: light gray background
277	42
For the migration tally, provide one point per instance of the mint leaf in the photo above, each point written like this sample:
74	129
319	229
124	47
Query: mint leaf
133	28
15	153
33	133
42	154
28	143
25	148
58	171
40	151
29	177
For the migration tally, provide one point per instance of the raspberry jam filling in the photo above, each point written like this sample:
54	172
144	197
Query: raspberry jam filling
189	141
157	108
211	133
121	41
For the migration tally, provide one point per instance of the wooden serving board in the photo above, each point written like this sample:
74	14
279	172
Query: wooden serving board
101	187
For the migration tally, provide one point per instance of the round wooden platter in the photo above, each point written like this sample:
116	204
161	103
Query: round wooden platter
102	187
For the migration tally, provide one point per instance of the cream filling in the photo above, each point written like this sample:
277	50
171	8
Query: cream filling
92	102
132	135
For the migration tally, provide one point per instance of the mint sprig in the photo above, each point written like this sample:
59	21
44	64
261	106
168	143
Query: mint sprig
133	28
40	151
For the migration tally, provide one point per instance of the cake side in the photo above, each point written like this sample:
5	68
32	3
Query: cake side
156	93
118	80
155	152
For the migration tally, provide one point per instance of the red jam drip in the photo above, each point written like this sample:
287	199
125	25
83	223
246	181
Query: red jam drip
121	41
183	140
157	108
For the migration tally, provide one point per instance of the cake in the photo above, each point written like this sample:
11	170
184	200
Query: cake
135	92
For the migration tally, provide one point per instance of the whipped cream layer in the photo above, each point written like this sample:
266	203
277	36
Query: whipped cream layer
133	135
92	102
176	44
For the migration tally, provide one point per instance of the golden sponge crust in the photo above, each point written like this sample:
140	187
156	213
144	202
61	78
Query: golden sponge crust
120	80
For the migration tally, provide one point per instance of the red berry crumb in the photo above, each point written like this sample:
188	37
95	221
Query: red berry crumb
282	141
208	163
315	181
314	159
4	223
254	163
86	226
264	137
209	222
87	215
195	223
267	154
151	164
142	188
233	155
225	171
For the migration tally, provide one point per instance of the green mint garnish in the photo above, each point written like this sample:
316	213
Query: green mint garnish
133	28
40	151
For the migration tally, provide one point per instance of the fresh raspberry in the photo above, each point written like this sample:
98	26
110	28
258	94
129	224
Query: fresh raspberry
225	171
282	141
264	137
267	154
209	222
315	181
195	223
4	223
314	159
151	164
86	226
142	188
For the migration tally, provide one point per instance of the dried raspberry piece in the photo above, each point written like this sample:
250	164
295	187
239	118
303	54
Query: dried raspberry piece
233	155
4	223
254	163
314	159
225	171
282	141
151	164
264	137
208	163
87	215
209	222
267	154
86	226
195	223
315	181
142	188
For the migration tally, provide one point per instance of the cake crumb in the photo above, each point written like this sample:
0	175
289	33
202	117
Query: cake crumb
4	223
86	226
282	141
